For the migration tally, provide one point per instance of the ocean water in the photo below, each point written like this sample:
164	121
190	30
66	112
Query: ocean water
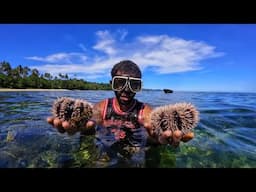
224	138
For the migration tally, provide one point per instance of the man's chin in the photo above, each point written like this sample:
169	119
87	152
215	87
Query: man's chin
125	100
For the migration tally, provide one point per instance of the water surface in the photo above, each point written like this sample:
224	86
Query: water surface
224	137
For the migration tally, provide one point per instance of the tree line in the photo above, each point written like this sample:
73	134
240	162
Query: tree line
24	77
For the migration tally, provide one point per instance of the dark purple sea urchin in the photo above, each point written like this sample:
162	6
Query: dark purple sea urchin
180	116
76	111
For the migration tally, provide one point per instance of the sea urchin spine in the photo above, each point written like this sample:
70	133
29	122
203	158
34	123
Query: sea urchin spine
180	116
75	111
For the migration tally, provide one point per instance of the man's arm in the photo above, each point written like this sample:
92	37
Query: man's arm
152	138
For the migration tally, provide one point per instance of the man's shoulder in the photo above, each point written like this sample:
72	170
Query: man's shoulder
145	105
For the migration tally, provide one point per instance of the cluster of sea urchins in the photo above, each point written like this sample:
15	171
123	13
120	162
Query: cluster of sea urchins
75	111
179	116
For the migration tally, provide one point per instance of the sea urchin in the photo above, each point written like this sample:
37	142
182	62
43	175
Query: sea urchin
179	116
75	111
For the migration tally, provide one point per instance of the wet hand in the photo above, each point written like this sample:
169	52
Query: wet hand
174	137
61	125
64	126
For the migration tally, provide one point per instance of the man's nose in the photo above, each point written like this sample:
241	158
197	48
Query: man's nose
127	89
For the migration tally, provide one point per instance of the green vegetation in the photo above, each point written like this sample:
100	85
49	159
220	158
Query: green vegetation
24	77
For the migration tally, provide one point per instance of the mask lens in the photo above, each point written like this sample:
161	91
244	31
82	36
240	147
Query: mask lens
135	85
118	83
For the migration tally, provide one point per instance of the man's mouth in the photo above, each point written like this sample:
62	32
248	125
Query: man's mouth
124	97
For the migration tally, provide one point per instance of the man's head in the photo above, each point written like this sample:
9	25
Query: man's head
126	66
126	80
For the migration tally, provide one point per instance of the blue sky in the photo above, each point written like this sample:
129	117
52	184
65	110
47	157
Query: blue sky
182	57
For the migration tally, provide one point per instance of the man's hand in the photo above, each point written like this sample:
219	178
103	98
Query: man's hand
64	126
174	137
71	115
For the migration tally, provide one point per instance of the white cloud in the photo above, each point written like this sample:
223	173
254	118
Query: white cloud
105	43
162	53
82	47
60	58
122	33
150	39
170	54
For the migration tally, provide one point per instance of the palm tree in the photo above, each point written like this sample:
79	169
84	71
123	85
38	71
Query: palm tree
48	76
26	71
35	72
5	68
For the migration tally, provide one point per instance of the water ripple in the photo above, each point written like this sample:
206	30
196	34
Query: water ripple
224	137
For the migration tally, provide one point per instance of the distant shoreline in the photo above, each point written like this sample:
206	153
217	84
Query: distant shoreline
8	90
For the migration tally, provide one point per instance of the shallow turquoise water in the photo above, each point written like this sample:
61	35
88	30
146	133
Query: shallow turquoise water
225	136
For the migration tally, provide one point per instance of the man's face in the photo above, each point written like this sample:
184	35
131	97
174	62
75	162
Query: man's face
126	95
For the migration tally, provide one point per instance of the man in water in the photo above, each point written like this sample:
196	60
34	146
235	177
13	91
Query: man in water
122	124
